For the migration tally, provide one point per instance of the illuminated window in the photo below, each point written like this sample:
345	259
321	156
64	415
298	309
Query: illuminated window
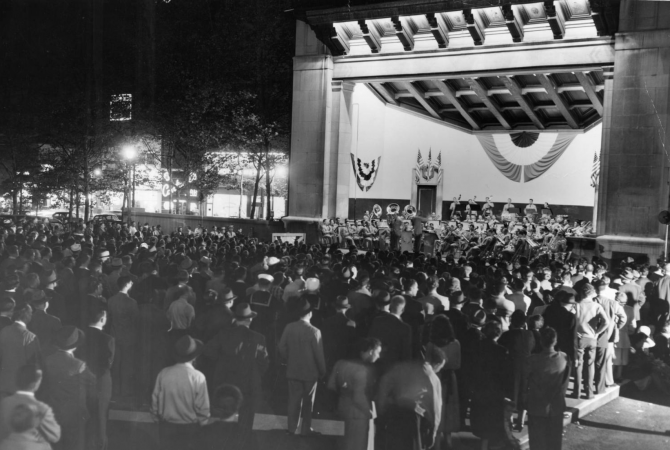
193	192
121	107
194	206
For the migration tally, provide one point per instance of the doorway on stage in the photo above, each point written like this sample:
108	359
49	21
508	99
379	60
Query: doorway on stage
427	199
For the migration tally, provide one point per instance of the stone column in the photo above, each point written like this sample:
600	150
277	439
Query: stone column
635	144
337	164
311	117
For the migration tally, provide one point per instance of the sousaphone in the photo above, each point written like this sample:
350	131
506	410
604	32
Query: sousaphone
409	212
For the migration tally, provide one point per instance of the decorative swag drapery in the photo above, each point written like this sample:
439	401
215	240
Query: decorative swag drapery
532	171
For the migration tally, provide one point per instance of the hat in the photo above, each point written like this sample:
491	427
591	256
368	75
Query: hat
228	295
144	245
301	306
312	284
37	295
187	348
266	276
478	318
342	302
49	278
205	260
69	337
103	254
75	248
116	262
186	263
243	311
272	260
649	342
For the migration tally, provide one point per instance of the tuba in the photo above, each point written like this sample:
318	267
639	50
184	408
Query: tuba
409	212
377	212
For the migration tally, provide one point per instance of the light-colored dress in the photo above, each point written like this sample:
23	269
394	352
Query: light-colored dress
406	244
622	348
451	421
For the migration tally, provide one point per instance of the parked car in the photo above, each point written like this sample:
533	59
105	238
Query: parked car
63	217
107	218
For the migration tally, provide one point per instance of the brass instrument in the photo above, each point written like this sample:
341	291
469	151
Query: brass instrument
376	212
409	212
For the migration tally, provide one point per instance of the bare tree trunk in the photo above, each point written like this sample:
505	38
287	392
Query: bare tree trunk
256	183
268	188
70	204
86	191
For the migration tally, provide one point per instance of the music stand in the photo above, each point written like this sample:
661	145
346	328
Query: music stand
546	212
513	211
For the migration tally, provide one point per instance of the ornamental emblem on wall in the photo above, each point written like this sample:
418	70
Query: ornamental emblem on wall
430	171
366	172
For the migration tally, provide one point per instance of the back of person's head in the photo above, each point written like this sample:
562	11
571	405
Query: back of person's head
28	378
182	292
435	356
408	283
24	418
475	294
518	319
367	344
240	273
548	337
587	290
226	401
599	285
397	304
7	305
93	285
535	322
381	297
499	288
96	315
24	313
492	330
517	284
123	281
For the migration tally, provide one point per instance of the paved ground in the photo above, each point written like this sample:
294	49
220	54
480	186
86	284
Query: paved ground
635	420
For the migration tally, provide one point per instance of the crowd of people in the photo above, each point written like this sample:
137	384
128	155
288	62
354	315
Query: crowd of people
412	347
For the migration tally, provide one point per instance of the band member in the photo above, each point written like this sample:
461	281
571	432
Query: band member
452	207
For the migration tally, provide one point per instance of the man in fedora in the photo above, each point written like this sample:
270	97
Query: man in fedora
98	353
241	360
124	317
43	324
218	317
559	315
49	284
70	387
354	380
18	347
180	402
302	348
7	305
28	381
339	333
394	334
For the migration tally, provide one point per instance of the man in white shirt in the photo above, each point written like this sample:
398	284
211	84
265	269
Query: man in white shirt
591	320
530	206
181	313
507	206
180	402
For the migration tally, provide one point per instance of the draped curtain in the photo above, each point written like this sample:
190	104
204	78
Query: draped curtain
530	171
510	170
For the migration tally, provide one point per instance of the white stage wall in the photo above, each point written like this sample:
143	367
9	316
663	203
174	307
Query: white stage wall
396	135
